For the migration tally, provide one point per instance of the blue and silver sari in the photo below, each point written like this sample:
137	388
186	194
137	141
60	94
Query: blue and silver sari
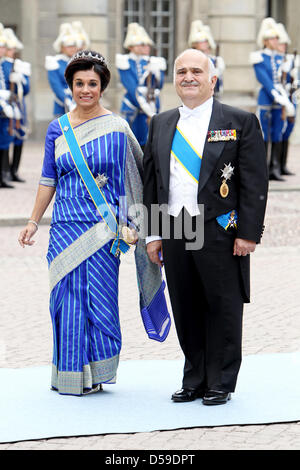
83	270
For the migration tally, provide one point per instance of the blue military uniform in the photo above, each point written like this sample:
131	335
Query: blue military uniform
290	79
9	112
273	101
56	66
23	71
18	83
220	67
8	108
70	35
266	65
142	76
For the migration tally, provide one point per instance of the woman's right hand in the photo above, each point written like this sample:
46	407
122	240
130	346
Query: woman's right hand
26	234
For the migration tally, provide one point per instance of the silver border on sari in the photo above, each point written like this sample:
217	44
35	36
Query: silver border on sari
81	249
74	383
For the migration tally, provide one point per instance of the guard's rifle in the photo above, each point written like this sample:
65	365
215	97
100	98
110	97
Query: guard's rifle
217	51
295	82
283	80
13	100
216	66
150	82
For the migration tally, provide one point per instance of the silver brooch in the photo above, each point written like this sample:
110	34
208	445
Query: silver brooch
66	128
101	180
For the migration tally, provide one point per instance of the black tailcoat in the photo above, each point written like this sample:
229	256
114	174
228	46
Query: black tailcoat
248	188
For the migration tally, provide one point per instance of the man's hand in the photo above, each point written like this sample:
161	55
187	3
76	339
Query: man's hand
243	247
153	250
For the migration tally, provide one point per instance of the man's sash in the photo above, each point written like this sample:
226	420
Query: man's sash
186	155
93	189
191	160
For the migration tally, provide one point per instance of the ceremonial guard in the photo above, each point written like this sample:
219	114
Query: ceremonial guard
289	77
201	38
273	101
71	38
6	109
142	76
10	114
20	80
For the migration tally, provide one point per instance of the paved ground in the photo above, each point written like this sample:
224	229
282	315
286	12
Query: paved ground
271	321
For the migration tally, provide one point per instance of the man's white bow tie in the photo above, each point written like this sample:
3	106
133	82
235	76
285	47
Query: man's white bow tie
187	112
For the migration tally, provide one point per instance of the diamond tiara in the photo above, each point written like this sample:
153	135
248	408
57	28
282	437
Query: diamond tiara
88	55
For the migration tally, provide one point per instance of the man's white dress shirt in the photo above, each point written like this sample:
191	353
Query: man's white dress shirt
183	189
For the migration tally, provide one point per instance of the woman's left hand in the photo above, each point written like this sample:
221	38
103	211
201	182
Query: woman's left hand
26	234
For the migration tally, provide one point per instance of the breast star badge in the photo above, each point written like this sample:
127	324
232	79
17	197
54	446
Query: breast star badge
227	172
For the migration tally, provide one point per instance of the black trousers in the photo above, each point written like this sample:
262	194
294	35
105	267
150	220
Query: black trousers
206	295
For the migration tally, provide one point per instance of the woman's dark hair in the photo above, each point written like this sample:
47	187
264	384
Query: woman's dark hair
87	60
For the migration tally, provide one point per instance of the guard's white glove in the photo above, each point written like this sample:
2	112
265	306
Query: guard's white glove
15	77
286	66
283	100
5	95
147	108
154	67
8	110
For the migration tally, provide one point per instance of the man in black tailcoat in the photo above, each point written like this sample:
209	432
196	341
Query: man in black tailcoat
208	154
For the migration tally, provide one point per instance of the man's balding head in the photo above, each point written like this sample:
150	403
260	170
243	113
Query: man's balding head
194	77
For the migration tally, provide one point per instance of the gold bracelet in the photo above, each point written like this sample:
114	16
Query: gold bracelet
33	222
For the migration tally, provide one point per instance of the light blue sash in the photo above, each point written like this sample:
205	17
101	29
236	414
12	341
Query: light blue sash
94	191
186	155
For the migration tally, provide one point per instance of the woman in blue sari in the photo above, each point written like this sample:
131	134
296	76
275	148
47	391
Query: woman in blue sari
94	165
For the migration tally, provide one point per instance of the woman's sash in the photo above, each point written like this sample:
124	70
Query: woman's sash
93	189
154	309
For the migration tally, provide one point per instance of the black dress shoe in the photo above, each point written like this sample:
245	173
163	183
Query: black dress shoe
216	397
187	394
287	172
275	177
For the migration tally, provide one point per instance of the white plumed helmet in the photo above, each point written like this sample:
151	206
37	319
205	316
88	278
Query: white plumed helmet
83	41
200	33
2	36
66	37
283	36
12	42
136	35
268	30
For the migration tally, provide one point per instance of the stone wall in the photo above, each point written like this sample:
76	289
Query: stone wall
234	24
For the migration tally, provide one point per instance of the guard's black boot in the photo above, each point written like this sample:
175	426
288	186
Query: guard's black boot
274	171
3	183
283	158
266	147
5	165
15	164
